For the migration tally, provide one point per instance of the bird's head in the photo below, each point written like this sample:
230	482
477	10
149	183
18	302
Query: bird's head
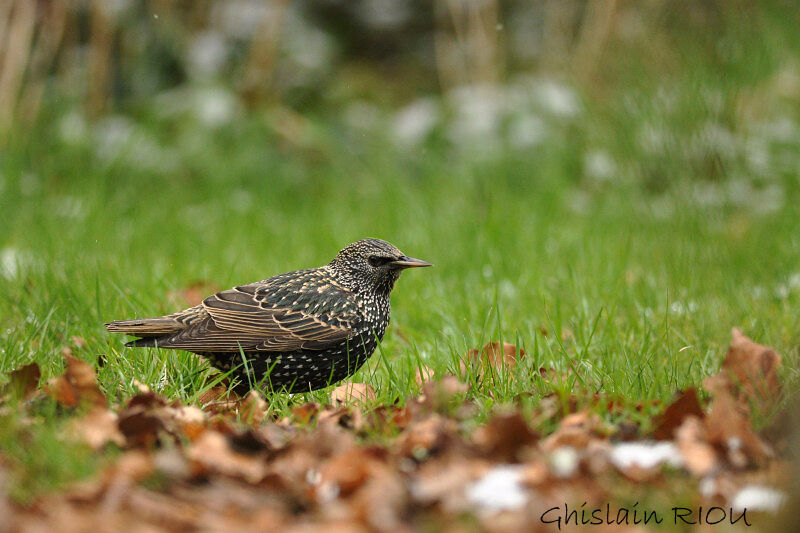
373	264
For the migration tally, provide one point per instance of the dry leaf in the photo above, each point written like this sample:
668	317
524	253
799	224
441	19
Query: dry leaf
348	470
253	408
576	430
98	428
78	342
497	354
304	413
673	416
423	375
753	368
444	482
504	436
352	393
23	381
728	425
427	436
699	457
438	394
213	451
77	385
148	417
194	293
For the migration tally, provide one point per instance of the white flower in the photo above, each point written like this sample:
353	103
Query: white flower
557	98
72	128
599	165
652	139
477	114
384	14
215	107
241	18
208	52
308	47
362	116
13	262
413	123
526	130
111	135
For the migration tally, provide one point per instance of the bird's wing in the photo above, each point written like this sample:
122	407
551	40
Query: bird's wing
298	310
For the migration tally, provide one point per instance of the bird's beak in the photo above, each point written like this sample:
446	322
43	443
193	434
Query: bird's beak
410	262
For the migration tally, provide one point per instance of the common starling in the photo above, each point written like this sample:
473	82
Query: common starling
297	331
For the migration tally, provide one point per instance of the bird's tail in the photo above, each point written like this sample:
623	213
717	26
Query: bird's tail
150	329
146	327
153	329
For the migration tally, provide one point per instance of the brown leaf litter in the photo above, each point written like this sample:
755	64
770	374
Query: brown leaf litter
351	465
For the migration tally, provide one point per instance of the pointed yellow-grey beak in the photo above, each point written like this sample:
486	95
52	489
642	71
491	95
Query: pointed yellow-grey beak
410	262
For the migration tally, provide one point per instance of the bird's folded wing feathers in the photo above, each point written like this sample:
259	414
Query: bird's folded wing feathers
244	318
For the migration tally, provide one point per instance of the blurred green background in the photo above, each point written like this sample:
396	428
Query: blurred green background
611	182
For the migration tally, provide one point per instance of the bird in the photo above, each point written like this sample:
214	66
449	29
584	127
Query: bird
294	332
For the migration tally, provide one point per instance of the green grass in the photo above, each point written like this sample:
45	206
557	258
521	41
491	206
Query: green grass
627	293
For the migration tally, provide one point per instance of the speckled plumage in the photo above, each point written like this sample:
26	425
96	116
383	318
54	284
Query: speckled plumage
297	331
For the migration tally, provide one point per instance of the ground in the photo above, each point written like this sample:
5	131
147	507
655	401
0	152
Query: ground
619	297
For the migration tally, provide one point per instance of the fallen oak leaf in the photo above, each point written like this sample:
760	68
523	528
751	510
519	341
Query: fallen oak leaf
253	409
699	457
753	368
576	430
443	482
497	354
423	375
98	428
673	416
22	382
139	422
194	293
504	436
440	393
748	377
148	417
352	393
77	385
345	472
214	452
304	413
78	341
728	425
427	436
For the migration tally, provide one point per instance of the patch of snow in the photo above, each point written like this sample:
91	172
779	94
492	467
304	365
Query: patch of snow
500	489
564	461
758	498
646	454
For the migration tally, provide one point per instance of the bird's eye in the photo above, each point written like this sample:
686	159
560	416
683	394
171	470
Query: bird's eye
377	260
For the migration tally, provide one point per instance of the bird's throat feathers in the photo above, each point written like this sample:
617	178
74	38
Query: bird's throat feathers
361	282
